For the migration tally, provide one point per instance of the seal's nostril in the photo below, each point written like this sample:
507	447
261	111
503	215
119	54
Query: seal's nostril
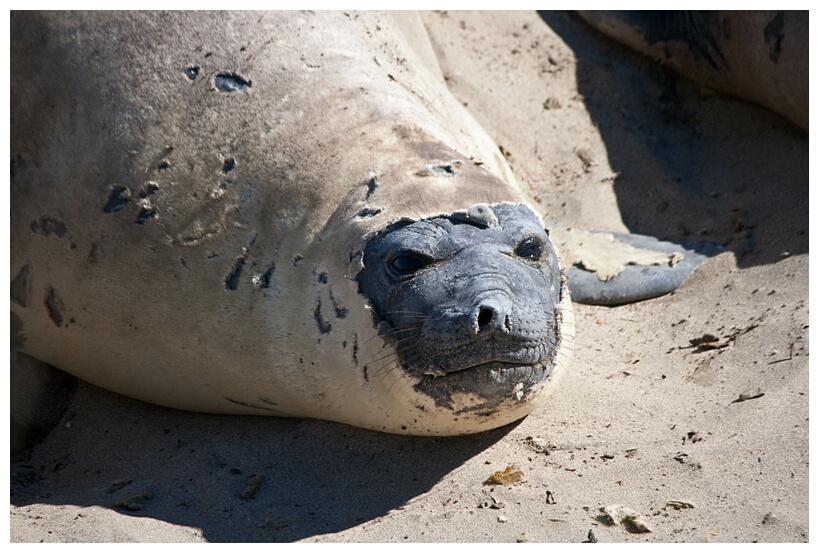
485	316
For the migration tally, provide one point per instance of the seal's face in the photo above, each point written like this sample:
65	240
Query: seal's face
469	301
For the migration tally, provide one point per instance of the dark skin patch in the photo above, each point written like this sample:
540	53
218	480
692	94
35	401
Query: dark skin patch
232	280
371	184
323	326
265	278
774	33
253	406
341	311
117	199
148	189
48	225
18	338
146	213
17	163
231	82
20	287
54	306
368	212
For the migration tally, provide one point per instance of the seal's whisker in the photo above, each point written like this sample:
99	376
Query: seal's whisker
419	314
392	333
388	355
386	367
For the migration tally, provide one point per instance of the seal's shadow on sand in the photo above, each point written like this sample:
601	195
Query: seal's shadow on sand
246	479
692	164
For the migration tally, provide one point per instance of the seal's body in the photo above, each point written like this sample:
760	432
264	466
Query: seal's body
760	56
193	195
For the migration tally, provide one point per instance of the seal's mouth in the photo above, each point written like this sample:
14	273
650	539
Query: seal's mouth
486	385
479	376
483	354
438	372
493	365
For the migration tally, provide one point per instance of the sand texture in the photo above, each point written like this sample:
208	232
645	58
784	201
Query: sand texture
685	415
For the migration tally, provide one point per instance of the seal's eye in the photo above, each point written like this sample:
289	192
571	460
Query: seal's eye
530	248
405	263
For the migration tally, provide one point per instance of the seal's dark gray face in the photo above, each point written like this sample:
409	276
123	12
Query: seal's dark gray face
470	302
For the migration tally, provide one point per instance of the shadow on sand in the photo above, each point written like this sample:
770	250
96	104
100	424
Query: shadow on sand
239	479
694	164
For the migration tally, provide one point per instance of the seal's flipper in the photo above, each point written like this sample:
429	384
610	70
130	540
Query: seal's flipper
40	395
613	268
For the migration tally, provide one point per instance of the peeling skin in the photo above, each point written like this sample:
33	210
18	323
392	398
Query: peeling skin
470	302
438	169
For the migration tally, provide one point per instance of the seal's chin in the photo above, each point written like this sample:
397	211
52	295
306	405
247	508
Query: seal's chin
486	385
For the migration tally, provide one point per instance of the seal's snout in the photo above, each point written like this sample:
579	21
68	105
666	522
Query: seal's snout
491	316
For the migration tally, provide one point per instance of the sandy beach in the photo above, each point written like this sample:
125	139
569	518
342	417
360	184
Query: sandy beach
691	410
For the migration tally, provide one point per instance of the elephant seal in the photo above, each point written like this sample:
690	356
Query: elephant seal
760	56
231	213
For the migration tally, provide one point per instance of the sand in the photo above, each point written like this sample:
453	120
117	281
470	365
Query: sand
646	419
